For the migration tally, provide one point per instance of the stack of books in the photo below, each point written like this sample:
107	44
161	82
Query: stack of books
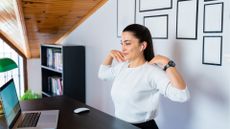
54	58
55	85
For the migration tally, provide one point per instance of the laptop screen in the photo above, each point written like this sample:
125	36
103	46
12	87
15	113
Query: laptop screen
10	102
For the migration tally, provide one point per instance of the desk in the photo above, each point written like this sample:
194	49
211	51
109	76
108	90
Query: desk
94	119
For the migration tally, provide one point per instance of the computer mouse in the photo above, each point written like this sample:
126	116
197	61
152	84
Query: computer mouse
79	110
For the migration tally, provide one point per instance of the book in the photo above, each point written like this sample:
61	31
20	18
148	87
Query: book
49	57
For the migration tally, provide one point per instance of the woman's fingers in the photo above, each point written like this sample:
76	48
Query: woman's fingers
117	55
120	56
160	60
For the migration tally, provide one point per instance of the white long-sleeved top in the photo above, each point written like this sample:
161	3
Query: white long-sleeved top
135	91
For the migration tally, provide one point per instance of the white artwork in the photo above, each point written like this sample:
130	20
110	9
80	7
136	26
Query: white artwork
187	19
158	26
208	0
151	5
212	50
213	18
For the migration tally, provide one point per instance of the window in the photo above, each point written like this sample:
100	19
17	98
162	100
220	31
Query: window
17	74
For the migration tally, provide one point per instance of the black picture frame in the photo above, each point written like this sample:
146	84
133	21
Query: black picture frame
121	27
149	27
208	0
218	25
194	27
219	52
155	9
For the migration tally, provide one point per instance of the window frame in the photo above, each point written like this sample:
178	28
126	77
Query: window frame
24	59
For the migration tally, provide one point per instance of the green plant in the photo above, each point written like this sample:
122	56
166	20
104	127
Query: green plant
28	95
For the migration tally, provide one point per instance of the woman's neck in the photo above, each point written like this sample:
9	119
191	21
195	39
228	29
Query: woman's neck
137	62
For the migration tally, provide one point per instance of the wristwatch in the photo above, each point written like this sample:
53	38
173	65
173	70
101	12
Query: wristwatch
170	64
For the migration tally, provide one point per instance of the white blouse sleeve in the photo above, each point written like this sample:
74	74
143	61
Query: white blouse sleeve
108	72
166	88
176	94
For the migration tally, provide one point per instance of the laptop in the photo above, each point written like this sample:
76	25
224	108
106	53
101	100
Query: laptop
17	119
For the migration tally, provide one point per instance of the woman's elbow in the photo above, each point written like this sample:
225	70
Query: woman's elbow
184	97
104	76
178	95
100	76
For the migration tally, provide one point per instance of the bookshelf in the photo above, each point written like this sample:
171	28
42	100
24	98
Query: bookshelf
63	71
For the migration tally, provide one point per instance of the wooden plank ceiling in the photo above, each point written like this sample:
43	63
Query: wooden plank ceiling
11	27
46	21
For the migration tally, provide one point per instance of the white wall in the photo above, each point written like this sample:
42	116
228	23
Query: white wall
34	75
208	84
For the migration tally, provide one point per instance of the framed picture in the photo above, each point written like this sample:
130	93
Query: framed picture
153	5
209	0
212	50
213	18
187	19
158	26
125	14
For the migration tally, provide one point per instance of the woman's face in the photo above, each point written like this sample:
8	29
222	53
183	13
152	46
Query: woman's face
131	47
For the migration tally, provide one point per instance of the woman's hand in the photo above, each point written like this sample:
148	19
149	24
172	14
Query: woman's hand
174	75
114	54
117	55
159	60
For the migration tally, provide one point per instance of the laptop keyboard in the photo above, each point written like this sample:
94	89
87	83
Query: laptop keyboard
30	120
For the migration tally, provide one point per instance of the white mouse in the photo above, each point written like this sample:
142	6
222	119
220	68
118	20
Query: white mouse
79	110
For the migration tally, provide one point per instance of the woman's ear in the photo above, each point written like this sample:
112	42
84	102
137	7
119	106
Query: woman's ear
144	45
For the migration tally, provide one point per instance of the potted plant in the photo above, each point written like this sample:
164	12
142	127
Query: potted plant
29	94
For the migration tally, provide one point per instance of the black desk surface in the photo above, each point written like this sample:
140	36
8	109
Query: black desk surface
94	119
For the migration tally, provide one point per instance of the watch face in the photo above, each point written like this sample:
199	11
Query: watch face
171	63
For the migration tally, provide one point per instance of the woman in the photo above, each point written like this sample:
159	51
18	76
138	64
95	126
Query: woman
140	78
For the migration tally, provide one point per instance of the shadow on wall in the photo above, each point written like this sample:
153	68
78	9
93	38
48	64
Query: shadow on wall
181	115
207	100
175	115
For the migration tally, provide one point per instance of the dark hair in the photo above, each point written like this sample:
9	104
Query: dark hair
142	33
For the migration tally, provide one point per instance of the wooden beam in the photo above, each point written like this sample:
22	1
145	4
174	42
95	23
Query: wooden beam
12	44
20	16
25	74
